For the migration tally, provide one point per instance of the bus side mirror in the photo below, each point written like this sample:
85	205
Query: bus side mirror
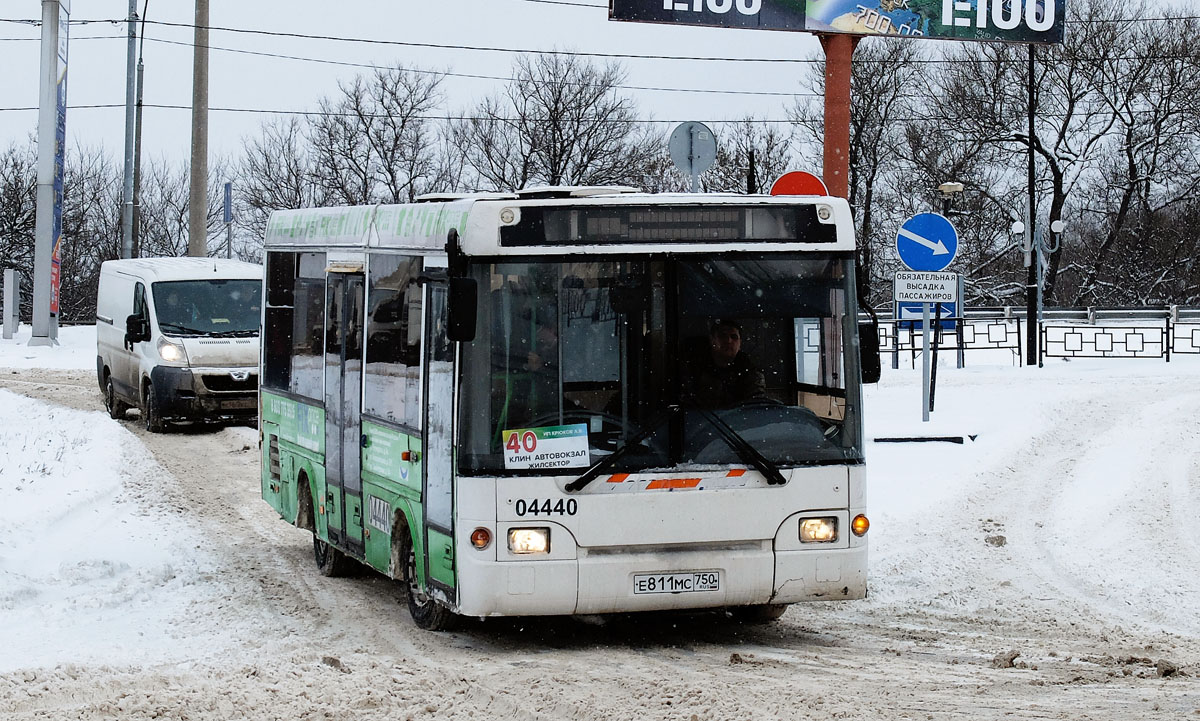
462	311
868	349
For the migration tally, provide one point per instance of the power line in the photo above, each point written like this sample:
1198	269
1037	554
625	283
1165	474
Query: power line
473	76
321	113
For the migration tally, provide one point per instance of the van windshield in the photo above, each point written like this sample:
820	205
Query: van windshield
208	307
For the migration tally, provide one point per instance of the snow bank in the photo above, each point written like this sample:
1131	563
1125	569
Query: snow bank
87	571
76	350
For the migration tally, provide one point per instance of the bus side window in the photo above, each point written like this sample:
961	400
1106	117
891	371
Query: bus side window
308	327
393	366
277	333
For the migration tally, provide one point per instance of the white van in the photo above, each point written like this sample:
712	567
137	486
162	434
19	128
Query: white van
178	338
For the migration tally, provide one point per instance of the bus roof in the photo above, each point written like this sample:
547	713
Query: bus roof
478	219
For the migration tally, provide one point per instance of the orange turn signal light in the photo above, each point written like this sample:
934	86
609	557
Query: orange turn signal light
860	525
481	538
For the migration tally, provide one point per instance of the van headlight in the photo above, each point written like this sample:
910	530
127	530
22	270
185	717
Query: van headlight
171	352
529	540
818	530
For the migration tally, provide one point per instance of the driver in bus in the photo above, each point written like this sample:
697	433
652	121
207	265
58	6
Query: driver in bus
725	376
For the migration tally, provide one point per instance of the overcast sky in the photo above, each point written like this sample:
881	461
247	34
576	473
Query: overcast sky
98	51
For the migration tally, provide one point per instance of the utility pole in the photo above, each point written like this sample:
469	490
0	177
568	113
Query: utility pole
198	195
137	147
130	124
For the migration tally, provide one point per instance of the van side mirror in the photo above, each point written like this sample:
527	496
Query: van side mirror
868	349
462	312
137	329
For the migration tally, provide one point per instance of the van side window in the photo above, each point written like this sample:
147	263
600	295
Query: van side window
393	372
139	302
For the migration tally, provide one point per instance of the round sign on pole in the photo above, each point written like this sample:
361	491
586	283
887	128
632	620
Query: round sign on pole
693	149
799	182
927	242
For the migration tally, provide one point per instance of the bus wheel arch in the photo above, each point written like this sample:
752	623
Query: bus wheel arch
427	612
304	503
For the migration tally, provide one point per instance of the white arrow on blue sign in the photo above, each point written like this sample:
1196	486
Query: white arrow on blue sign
927	242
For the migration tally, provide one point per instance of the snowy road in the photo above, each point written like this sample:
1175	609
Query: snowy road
1064	534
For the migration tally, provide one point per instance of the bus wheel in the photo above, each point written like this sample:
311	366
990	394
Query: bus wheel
330	561
115	407
764	613
426	612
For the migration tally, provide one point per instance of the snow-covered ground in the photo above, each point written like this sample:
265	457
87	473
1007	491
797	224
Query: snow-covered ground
1062	528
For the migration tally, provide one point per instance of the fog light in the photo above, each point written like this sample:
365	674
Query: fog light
481	538
860	525
818	530
529	540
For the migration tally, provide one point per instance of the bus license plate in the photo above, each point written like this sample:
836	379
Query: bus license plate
689	582
240	403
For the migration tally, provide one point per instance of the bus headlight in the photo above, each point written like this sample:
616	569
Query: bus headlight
529	540
171	352
818	530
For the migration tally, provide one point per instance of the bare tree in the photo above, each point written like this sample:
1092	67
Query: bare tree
750	156
375	142
559	122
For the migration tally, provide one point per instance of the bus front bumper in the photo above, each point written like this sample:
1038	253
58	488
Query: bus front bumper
626	580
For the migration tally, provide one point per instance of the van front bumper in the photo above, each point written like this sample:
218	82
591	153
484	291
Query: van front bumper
216	394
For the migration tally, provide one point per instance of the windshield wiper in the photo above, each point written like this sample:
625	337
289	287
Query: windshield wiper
179	328
742	447
233	333
602	465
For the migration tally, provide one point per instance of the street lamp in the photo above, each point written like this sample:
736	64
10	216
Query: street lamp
948	191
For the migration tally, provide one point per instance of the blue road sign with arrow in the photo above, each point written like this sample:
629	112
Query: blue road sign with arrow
927	242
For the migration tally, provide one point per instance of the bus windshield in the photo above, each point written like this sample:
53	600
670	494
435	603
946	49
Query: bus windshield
670	362
211	307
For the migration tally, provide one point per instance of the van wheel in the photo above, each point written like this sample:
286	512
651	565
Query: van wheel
116	408
426	612
331	562
150	412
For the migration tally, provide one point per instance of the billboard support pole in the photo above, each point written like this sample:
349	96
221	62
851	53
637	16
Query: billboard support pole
839	50
52	112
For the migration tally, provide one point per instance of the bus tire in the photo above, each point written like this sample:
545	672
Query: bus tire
116	407
762	613
331	562
426	612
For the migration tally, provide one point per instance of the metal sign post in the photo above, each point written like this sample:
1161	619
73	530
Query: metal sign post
926	243
228	220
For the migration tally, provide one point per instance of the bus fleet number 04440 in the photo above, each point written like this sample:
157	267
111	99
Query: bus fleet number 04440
546	507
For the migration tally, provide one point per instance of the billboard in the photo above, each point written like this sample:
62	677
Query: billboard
1021	21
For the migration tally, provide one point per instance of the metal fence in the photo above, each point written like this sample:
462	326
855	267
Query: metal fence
1156	333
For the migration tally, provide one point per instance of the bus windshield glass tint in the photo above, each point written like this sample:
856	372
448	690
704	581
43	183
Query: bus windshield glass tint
661	358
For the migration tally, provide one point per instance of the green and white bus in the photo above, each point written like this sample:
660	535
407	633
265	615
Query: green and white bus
570	400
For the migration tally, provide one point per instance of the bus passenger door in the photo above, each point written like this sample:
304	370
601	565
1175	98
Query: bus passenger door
438	441
343	399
